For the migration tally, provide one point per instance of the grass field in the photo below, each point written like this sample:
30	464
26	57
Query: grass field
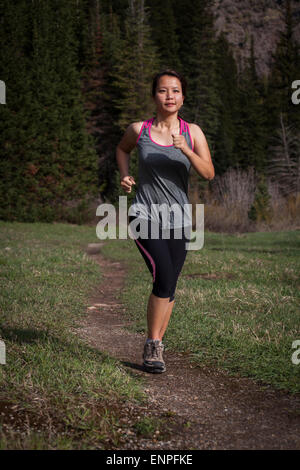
237	308
60	384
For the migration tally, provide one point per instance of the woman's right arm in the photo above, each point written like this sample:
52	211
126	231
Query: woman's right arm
125	146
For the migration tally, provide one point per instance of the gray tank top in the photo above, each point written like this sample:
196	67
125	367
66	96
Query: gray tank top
163	180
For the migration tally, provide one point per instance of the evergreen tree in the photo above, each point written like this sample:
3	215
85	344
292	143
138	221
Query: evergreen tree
261	208
250	143
285	69
46	143
163	26
184	19
16	124
225	156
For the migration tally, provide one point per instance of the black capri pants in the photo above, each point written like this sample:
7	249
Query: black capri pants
164	258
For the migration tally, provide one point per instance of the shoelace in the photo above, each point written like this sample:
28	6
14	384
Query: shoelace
156	350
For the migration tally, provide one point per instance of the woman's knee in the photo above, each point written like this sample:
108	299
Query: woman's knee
163	287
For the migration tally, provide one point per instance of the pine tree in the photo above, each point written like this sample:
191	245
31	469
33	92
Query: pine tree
46	143
164	34
18	129
184	19
285	69
261	208
224	155
250	143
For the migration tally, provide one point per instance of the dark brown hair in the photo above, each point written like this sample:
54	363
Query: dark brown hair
171	73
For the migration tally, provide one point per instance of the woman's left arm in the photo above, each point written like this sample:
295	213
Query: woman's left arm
200	158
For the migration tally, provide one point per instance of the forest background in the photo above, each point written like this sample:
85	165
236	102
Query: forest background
78	72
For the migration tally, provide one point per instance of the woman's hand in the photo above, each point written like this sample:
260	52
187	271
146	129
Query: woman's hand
127	182
179	142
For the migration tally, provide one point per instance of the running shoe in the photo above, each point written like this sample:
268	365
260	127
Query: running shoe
153	357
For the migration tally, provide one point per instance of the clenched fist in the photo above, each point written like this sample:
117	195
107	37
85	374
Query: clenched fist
179	142
127	182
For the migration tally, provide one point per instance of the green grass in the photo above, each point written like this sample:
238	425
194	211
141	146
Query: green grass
245	319
67	393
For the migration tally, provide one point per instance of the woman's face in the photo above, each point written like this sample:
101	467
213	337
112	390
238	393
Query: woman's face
168	96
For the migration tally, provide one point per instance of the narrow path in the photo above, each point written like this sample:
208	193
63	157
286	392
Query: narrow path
205	408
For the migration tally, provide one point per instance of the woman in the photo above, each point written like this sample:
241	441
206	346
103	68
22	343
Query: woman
168	147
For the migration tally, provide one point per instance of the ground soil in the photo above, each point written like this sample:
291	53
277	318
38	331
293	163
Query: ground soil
200	407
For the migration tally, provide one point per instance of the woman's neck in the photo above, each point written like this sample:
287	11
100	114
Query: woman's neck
166	122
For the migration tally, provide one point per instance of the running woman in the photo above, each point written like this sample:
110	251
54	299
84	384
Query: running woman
167	147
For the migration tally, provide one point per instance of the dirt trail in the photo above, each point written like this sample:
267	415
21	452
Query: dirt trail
204	407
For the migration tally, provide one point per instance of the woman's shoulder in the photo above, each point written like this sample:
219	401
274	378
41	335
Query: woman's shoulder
135	128
195	130
194	127
131	135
